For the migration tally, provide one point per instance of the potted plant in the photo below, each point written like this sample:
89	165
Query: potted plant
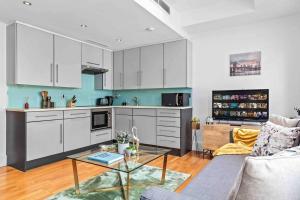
195	123
123	141
131	150
297	110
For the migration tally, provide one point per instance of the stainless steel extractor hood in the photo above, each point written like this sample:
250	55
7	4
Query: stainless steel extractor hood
88	69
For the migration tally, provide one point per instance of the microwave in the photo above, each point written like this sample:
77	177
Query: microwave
175	99
101	119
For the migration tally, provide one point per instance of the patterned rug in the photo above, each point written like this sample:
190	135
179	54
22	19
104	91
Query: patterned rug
145	175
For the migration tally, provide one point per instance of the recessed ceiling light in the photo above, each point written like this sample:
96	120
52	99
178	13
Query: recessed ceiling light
119	40
150	29
27	3
84	26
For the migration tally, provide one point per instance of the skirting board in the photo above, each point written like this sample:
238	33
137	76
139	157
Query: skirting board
3	160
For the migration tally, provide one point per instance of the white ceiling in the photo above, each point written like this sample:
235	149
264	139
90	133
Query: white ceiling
107	20
202	15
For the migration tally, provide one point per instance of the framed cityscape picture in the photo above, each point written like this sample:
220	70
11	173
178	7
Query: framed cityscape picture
245	64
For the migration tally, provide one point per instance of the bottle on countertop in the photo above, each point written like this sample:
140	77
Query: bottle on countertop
26	105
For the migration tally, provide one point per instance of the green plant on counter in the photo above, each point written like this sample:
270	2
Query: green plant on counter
297	110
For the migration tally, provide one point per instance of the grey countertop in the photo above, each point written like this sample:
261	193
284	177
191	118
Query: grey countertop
92	107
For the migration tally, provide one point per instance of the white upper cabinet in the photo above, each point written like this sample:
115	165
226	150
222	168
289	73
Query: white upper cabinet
67	68
176	64
118	71
132	68
29	56
107	59
92	56
151	74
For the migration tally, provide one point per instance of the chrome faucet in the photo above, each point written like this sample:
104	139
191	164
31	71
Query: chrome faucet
135	101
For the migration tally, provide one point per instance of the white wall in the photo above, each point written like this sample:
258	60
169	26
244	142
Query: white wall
279	42
3	96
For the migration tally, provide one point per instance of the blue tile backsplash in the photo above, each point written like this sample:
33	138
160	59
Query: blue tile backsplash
147	97
87	95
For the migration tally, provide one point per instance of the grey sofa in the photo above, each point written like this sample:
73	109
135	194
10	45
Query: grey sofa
220	180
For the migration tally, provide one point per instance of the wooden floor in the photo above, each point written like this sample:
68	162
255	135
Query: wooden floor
47	180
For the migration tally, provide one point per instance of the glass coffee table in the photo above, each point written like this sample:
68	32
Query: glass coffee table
145	155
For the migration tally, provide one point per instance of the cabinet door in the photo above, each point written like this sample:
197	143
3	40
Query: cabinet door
146	128
34	57
152	66
132	68
44	138
77	133
123	123
118	70
92	56
175	64
108	80
67	71
107	59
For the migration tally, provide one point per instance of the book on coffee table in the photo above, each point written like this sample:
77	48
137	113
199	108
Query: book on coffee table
106	157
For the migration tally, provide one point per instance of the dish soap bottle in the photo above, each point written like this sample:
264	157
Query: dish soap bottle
26	105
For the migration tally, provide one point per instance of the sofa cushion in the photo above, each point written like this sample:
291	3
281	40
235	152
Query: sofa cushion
289	152
270	177
220	179
275	138
156	193
283	121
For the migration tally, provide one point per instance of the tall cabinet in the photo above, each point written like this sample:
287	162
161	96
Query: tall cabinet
152	63
118	62
132	68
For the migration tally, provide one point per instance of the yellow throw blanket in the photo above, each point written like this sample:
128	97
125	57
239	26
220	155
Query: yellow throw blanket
244	139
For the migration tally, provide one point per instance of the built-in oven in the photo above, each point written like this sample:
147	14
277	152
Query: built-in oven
101	118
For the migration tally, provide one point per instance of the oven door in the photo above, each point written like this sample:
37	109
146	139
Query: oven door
100	120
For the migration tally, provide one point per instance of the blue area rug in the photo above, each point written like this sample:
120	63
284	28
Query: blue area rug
146	175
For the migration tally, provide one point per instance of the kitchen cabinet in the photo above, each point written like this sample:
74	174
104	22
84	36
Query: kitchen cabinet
107	59
177	64
77	133
118	71
44	138
67	69
100	136
146	128
92	56
151	66
132	68
123	123
29	56
104	81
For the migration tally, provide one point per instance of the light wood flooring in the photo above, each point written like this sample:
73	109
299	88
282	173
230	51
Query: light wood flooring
42	182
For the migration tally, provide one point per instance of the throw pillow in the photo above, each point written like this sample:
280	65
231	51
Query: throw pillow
274	138
245	136
275	178
289	152
283	121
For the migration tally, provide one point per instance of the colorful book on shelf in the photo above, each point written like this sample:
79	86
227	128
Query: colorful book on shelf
106	157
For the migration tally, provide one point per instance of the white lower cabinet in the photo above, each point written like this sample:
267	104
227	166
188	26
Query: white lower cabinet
123	123
76	133
170	142
44	138
100	136
146	127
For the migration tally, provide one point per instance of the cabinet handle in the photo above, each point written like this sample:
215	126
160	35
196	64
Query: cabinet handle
166	121
104	80
77	113
56	73
168	113
168	141
141	72
168	131
61	134
93	63
120	80
41	116
164	76
101	134
137	78
51	73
